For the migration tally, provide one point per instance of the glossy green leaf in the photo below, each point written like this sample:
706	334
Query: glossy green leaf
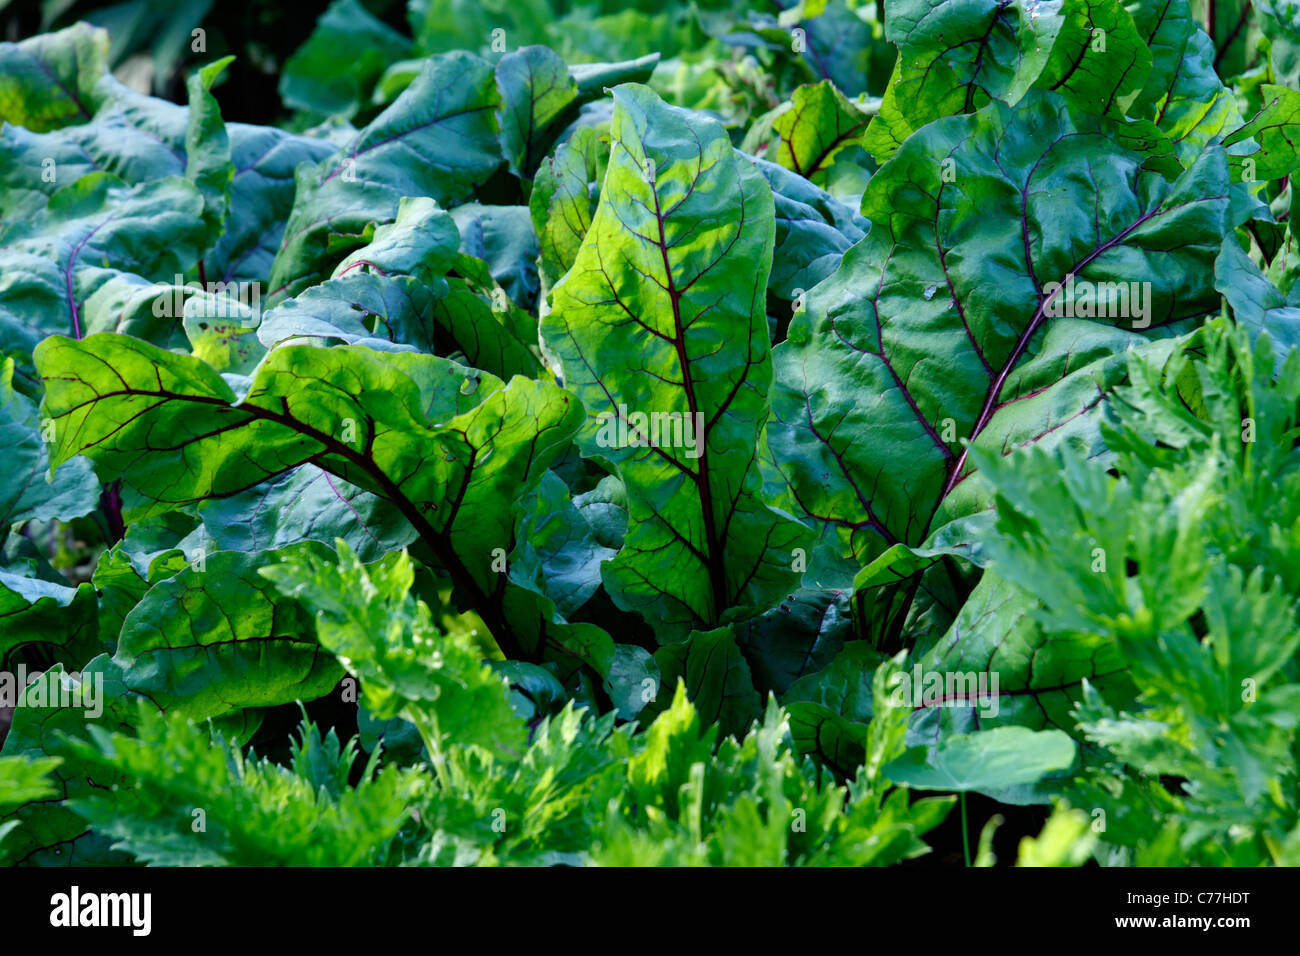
557	547
820	123
1256	303
646	340
207	144
1099	59
536	94
306	504
37	610
49	81
813	231
91	231
437	440
1003	757
938	327
502	237
49	832
564	199
955	57
1277	128
716	677
421	241
1184	97
216	638
27	489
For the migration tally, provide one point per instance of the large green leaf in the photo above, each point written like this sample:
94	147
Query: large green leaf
1184	95
132	136
502	238
1147	61
1236	27
306	504
140	139
93	231
537	94
380	312
844	686
813	228
438	139
49	81
1276	127
813	231
716	678
217	638
261	197
1256	303
937	329
557	548
799	636
421	241
444	444
564	199
663	314
820	123
27	490
119	588
207	146
831	709
39	607
1005	757
1099	59
954	57
1022	676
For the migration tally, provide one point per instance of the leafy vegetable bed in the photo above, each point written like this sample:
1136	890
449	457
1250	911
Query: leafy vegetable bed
607	434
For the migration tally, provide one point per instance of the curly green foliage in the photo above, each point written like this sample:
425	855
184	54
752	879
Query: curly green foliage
196	800
755	802
1186	562
572	789
576	787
